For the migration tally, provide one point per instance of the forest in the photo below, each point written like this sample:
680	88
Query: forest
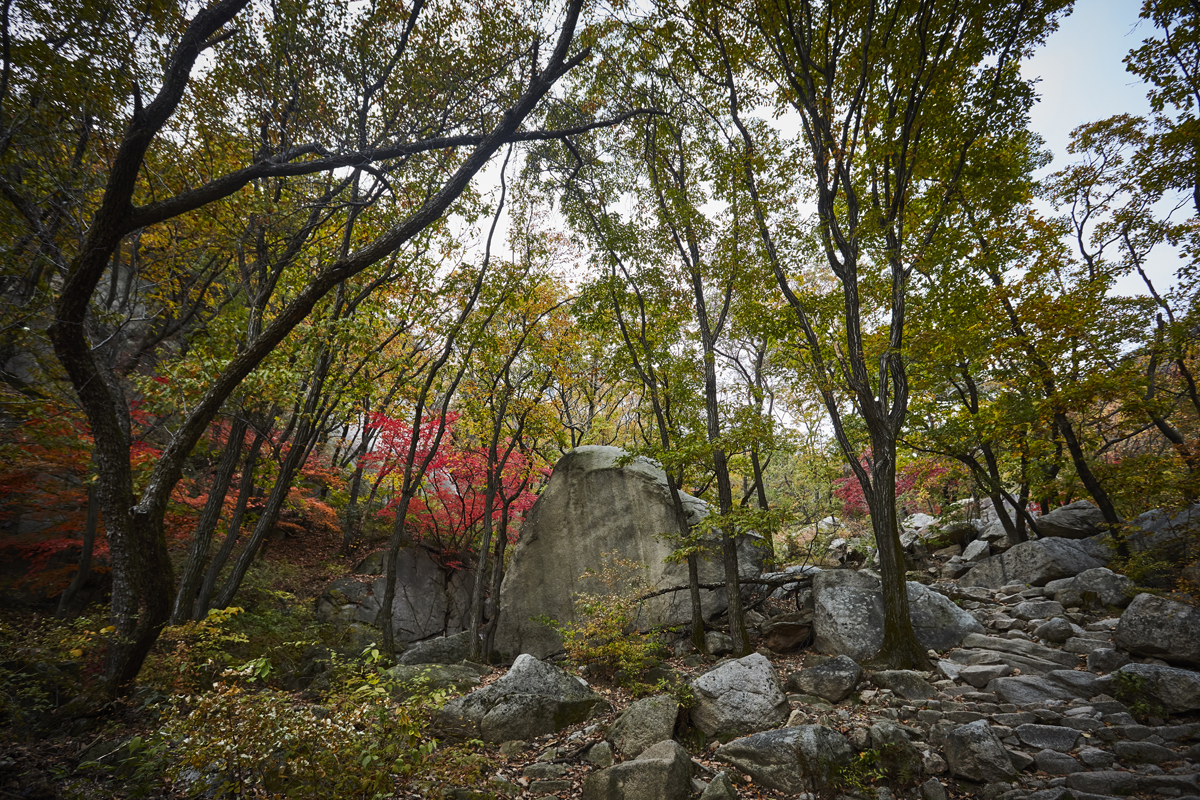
286	283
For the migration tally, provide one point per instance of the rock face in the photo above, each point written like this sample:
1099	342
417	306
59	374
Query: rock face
804	758
531	699
739	697
1077	520
644	723
1036	563
974	752
662	772
429	601
848	615
1155	626
592	507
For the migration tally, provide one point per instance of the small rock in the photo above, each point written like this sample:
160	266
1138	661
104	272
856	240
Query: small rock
600	754
718	644
1053	762
974	752
1052	737
932	789
719	788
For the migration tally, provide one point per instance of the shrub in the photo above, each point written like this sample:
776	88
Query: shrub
604	636
233	740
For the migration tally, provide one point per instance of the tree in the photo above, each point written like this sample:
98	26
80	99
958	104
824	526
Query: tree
126	133
892	99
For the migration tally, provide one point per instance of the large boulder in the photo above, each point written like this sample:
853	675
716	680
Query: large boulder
739	697
661	772
1177	689
531	699
591	508
439	650
974	752
430	600
1037	563
803	758
646	722
848	615
1155	626
1077	520
1110	588
1162	532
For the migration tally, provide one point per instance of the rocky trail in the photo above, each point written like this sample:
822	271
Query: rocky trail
1053	694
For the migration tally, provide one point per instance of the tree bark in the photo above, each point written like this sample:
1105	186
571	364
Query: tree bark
185	597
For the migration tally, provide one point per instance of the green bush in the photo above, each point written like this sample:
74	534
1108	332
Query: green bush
238	741
604	636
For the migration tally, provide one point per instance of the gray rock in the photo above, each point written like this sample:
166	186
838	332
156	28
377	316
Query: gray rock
904	683
1110	588
541	771
592	507
718	643
1057	630
1096	758
787	633
1053	762
804	758
1155	626
897	754
439	650
1078	520
976	551
429	599
1104	660
1109	782
932	789
1162	533
1048	737
719	788
1021	647
1037	609
533	698
1178	689
832	680
739	697
1082	645
981	675
1024	690
600	754
1143	753
974	752
661	772
848	615
1037	562
645	722
418	678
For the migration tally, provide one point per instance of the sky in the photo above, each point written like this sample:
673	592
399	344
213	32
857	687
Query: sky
1083	79
1081	70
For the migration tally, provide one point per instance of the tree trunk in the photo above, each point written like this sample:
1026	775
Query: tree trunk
245	487
900	647
185	597
270	513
